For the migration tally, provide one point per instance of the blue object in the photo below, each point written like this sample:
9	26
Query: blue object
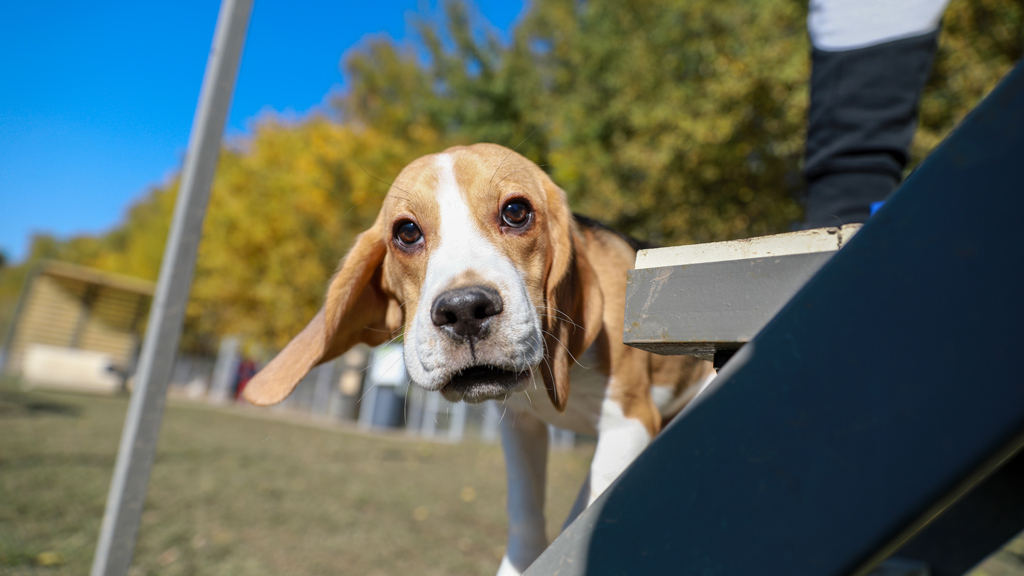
875	206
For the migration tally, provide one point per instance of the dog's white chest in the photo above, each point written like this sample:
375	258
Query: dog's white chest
587	390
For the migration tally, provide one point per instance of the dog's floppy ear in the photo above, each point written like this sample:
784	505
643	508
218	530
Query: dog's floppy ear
357	309
574	304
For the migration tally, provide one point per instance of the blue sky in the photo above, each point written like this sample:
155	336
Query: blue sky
97	98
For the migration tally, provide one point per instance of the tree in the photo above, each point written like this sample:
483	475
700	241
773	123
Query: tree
981	41
660	118
674	120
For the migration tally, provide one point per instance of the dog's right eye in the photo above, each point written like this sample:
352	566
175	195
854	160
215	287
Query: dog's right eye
408	233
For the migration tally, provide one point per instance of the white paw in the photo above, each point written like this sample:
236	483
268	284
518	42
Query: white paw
507	569
707	380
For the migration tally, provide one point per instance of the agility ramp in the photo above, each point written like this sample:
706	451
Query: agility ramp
880	411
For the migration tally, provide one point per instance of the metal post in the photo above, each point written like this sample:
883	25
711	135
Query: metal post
138	440
414	410
322	392
225	371
457	422
492	417
335	403
19	309
433	407
350	385
560	438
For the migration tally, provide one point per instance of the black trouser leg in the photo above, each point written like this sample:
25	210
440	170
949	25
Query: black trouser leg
863	115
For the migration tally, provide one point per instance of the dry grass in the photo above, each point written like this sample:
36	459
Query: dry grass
235	494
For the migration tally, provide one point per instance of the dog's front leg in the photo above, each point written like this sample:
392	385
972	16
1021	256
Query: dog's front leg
524	439
620	439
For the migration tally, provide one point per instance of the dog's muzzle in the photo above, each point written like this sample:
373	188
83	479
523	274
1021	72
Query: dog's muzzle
465	316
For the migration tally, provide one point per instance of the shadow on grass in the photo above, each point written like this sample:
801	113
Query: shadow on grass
14	402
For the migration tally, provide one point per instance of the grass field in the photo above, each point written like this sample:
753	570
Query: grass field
237	492
234	492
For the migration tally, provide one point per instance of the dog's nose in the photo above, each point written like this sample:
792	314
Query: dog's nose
465	311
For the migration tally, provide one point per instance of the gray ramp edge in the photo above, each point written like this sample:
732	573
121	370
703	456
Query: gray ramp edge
888	385
672	309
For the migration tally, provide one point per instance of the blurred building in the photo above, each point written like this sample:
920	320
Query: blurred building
76	327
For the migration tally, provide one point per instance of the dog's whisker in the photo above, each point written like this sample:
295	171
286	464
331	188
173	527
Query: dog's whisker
367	391
550	371
563	316
399	359
358	204
525	139
566	349
556	310
562	319
509	154
389	184
407	196
511	173
395	363
372	329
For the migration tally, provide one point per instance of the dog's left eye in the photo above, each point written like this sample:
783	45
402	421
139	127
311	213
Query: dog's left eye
516	213
408	233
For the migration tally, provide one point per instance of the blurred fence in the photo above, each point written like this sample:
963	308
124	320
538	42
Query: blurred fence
349	389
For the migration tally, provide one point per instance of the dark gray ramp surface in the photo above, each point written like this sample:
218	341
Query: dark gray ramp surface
887	387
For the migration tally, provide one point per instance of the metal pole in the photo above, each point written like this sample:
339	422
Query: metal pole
224	371
19	309
138	440
322	392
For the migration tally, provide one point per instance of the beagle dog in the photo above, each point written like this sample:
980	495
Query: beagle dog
503	295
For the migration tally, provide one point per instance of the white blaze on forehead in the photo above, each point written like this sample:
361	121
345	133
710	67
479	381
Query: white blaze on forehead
463	245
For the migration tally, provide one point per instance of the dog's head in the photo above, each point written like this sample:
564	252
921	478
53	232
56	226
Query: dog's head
475	254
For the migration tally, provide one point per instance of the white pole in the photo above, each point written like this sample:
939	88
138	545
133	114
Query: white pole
224	371
492	416
116	545
456	422
322	392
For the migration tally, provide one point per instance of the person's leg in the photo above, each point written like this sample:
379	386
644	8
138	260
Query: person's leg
869	63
